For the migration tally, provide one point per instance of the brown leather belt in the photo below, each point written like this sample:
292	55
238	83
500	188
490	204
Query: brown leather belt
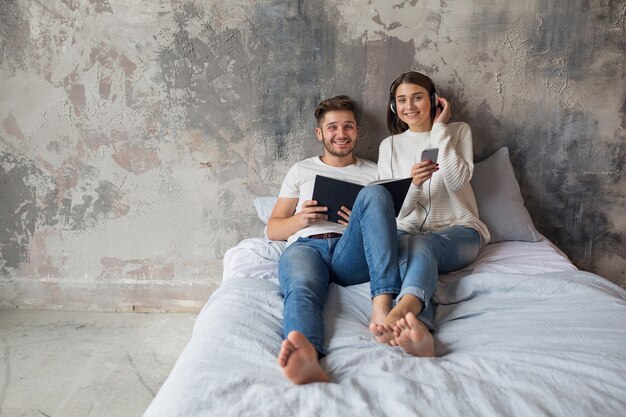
325	236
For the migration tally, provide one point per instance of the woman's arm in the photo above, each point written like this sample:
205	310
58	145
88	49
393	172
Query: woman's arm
456	158
456	162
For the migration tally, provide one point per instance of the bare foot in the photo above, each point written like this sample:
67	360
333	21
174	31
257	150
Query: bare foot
298	358
384	318
383	333
414	337
382	330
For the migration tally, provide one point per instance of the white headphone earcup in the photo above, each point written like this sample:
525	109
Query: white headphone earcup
392	107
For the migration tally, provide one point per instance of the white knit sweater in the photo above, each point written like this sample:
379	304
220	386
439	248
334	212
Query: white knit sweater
452	201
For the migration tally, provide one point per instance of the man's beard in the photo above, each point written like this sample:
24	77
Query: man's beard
329	148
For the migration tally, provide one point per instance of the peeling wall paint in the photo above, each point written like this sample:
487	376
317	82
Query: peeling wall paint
135	135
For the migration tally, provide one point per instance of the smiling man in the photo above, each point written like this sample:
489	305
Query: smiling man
320	252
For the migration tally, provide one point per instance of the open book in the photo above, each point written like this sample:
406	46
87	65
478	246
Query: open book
334	193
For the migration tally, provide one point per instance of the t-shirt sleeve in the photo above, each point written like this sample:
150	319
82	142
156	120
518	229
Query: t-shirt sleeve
291	184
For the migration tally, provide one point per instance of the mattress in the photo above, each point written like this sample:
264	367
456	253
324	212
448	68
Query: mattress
520	332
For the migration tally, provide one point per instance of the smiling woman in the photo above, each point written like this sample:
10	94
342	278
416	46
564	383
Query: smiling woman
438	227
413	100
413	107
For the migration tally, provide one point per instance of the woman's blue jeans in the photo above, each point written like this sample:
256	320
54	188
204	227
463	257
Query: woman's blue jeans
423	257
367	251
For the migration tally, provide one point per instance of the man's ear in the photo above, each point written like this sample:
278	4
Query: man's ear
318	133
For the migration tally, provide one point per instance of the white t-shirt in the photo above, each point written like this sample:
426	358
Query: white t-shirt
300	180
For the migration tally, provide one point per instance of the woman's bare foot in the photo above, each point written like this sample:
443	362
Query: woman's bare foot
383	333
384	318
414	337
382	330
298	358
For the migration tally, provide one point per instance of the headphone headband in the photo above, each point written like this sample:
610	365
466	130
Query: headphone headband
408	72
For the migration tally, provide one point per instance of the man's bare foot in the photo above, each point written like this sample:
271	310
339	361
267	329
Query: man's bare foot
414	337
298	358
382	330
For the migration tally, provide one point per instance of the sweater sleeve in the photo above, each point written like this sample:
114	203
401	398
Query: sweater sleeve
456	155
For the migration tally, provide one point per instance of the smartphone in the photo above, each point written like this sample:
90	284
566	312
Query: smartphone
430	155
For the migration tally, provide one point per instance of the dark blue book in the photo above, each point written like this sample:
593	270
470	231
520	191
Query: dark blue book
334	193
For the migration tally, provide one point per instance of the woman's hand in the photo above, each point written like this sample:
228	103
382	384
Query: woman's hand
423	171
442	115
344	213
311	213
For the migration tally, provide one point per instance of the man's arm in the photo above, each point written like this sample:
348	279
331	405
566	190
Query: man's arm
284	222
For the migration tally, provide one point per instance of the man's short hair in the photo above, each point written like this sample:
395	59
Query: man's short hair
338	103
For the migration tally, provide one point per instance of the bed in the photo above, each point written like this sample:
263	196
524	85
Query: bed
520	332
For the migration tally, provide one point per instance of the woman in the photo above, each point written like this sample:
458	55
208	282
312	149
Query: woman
438	226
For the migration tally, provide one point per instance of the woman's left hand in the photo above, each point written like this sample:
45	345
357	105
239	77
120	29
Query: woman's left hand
345	213
442	115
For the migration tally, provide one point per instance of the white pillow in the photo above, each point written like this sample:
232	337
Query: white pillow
264	206
500	203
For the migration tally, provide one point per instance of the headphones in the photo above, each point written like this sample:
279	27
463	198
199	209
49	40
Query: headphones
433	94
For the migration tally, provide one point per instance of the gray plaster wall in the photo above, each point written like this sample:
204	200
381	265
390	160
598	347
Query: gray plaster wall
134	135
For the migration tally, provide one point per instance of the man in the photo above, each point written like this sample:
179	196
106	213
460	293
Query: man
320	252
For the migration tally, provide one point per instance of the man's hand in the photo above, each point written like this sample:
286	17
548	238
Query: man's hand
344	213
311	213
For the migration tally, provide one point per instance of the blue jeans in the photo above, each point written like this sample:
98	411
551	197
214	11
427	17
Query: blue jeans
367	251
423	257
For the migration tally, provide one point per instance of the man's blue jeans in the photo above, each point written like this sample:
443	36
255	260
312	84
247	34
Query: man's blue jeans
367	251
423	257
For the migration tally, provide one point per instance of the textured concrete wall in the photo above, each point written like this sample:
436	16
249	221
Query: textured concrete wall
135	134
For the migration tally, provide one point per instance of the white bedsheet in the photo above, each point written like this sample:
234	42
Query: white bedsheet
541	344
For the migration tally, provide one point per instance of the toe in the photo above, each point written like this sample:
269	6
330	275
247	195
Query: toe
374	329
297	339
411	320
402	323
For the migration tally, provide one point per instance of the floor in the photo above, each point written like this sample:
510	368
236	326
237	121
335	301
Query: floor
87	364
